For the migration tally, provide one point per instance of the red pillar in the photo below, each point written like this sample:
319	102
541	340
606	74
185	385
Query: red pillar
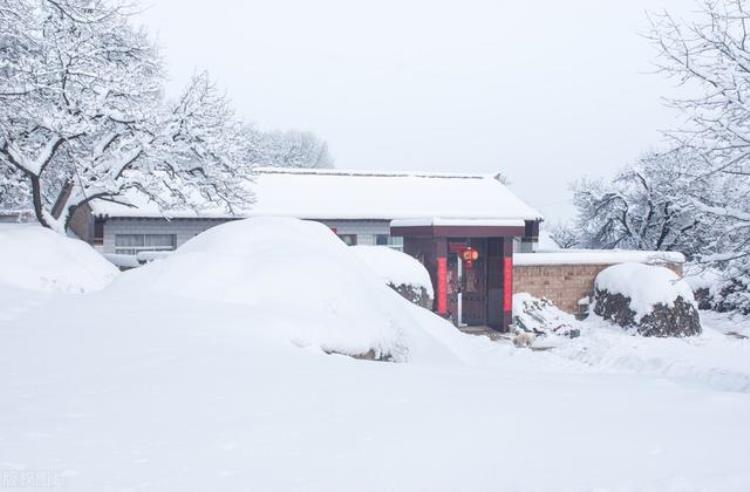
442	286
442	276
507	283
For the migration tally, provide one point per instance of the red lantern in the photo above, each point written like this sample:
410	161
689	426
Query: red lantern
470	255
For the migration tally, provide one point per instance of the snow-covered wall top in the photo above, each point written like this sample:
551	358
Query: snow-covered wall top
341	194
595	257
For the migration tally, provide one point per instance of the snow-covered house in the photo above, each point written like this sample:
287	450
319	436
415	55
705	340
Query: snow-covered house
440	218
476	238
358	205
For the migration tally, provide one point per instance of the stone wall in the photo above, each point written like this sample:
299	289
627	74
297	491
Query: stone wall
564	285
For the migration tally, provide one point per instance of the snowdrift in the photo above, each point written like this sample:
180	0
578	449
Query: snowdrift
35	258
400	271
302	284
160	383
712	359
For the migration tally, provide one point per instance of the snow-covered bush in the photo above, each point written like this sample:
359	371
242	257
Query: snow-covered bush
401	272
299	283
33	257
651	299
534	317
713	291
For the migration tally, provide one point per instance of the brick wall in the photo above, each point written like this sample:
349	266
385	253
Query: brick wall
564	285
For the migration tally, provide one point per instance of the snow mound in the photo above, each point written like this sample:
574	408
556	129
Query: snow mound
300	282
394	267
35	258
401	272
645	285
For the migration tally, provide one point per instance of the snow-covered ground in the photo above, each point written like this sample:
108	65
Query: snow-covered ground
715	359
159	382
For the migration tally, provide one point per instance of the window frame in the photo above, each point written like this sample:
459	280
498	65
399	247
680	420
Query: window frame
393	242
134	249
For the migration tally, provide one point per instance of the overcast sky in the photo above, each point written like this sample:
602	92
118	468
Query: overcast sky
543	91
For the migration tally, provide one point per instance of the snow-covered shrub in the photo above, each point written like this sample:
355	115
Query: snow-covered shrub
704	282
651	299
401	272
733	295
714	291
33	257
299	283
534	317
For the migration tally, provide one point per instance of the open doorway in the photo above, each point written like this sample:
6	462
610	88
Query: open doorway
467	274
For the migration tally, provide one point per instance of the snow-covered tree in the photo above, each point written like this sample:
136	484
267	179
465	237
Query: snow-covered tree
14	190
292	148
647	206
712	57
82	113
564	234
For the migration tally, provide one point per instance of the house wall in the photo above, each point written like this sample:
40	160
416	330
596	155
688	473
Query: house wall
81	223
185	229
366	230
564	285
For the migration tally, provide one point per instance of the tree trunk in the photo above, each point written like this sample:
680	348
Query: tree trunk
36	195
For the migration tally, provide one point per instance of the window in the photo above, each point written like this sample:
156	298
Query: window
349	239
98	232
131	244
393	242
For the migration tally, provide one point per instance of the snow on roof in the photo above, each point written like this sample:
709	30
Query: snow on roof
345	194
441	221
596	257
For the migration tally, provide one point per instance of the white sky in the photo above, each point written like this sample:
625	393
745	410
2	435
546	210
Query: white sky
544	91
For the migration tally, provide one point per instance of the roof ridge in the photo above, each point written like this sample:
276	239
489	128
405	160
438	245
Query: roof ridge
371	173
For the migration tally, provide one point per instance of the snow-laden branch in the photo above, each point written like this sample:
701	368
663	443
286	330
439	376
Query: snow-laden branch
727	212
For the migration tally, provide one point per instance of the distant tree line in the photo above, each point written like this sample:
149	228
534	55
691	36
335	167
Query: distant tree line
82	110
